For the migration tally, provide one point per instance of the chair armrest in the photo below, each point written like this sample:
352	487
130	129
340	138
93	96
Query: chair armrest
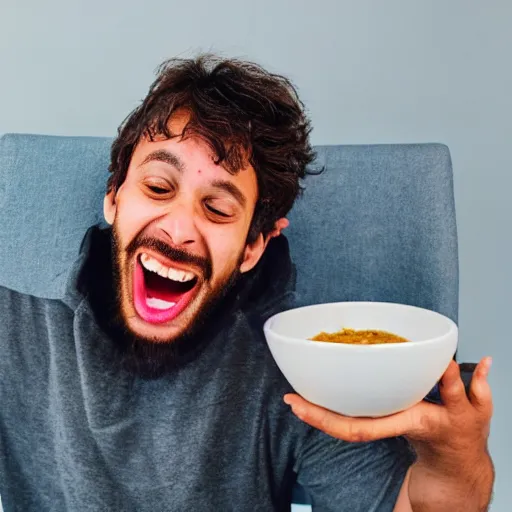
466	373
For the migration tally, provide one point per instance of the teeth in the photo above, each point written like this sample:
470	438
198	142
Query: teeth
153	302
179	275
150	263
174	274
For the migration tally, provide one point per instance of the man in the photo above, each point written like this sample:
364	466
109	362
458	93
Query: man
149	386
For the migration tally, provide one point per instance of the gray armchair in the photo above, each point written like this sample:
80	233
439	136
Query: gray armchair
377	225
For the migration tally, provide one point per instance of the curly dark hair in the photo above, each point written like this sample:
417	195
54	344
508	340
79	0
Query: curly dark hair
244	113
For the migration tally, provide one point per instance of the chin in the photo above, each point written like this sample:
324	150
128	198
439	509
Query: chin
168	307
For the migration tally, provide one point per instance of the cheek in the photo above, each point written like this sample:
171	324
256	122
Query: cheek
226	244
225	251
133	214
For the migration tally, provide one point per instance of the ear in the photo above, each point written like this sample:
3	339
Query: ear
110	207
253	252
278	227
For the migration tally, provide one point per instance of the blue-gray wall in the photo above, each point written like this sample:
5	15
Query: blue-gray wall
369	71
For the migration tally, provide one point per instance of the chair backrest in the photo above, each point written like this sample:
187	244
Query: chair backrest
377	224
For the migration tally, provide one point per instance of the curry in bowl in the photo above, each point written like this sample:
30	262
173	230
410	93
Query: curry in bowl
365	337
356	379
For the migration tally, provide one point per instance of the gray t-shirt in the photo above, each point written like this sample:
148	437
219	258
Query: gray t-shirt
77	433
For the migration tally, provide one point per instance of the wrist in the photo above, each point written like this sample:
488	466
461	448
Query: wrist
452	484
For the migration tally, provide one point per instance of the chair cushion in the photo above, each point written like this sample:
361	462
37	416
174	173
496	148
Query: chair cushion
377	224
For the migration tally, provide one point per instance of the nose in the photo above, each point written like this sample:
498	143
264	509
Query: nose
179	226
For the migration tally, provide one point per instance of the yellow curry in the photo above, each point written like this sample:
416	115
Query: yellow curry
354	337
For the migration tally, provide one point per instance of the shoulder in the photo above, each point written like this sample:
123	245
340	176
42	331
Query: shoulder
19	310
239	357
10	299
13	297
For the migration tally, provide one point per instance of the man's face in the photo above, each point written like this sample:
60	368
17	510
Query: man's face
180	226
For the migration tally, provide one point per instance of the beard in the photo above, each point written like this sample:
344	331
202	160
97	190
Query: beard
145	357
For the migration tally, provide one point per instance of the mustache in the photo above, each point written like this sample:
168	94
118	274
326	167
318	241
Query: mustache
172	253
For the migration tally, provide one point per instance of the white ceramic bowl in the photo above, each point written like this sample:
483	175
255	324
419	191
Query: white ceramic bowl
362	380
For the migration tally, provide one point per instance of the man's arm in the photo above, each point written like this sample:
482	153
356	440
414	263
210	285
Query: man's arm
403	503
423	490
453	470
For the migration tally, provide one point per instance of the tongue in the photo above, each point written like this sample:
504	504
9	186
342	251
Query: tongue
163	289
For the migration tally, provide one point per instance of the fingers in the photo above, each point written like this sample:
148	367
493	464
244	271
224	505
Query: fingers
451	388
480	394
422	422
354	430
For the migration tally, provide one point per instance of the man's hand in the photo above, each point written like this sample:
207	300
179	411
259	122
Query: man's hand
453	470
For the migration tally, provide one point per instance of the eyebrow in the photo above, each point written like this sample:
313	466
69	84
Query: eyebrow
230	188
163	155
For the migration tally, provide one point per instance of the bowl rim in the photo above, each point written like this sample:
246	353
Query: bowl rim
326	345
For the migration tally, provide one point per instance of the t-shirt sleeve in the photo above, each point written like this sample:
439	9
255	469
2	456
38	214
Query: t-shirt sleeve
352	477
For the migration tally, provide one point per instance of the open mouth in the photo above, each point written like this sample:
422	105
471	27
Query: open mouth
161	292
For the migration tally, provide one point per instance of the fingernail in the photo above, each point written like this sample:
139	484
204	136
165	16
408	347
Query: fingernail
484	367
286	400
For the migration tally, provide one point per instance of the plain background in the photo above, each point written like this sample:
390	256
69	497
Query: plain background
368	71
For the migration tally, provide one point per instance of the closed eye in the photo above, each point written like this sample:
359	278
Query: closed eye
157	190
215	211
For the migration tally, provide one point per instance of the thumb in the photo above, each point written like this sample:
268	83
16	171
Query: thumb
480	394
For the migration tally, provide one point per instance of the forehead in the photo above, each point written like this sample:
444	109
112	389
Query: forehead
196	159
